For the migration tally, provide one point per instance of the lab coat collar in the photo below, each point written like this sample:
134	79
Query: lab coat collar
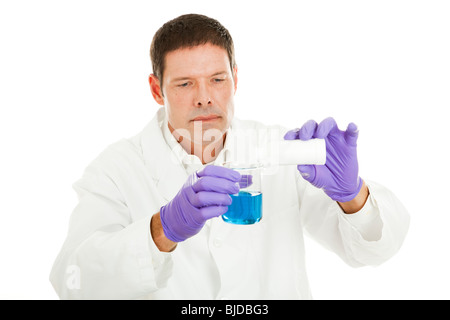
190	162
167	173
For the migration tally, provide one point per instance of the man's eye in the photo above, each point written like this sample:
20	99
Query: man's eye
219	80
183	85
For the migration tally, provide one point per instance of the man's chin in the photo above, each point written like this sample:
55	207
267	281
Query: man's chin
205	126
207	132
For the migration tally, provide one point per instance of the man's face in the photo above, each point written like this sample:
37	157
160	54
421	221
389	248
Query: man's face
198	88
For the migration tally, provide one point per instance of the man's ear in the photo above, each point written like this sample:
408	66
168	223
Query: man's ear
235	77
155	88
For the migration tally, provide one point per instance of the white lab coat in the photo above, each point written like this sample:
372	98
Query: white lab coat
109	252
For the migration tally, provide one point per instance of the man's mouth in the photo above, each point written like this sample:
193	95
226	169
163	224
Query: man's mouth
210	117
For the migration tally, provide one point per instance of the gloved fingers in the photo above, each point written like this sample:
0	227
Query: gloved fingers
351	134
219	172
326	127
220	185
292	134
308	130
212	211
206	198
308	172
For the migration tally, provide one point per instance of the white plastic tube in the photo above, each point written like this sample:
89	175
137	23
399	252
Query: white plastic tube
279	152
302	152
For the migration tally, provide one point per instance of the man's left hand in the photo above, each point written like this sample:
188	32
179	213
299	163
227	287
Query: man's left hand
339	176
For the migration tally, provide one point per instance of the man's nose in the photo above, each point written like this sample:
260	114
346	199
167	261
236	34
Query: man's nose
203	97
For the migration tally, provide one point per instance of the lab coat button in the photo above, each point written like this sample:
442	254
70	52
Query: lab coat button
217	242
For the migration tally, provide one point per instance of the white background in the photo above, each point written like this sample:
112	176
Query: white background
73	79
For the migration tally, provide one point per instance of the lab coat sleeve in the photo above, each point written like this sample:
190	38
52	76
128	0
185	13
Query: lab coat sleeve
368	237
106	254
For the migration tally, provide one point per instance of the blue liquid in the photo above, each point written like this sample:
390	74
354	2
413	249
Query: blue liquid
246	208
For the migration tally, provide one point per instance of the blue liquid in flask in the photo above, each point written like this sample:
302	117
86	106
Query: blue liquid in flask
246	208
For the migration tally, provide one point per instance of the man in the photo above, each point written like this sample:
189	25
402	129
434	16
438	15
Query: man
148	222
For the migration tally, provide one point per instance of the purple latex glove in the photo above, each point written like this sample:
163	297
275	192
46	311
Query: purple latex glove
205	194
339	176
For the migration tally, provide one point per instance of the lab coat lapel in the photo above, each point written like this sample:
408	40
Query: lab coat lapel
167	171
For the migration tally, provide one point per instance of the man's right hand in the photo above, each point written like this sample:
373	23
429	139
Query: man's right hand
206	194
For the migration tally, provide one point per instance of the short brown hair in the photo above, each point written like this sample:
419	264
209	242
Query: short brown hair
188	31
